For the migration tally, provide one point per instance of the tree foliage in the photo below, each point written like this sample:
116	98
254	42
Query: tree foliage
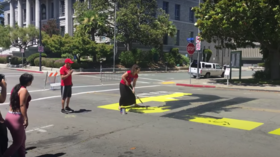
140	21
5	41
23	37
240	23
93	19
207	53
51	28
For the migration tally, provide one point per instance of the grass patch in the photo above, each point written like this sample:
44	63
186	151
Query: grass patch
251	81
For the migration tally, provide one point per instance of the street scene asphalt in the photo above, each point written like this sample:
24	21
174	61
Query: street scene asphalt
177	122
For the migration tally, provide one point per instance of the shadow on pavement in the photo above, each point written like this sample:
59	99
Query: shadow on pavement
52	155
214	107
82	111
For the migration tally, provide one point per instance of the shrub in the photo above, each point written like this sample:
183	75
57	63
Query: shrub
32	57
43	61
49	62
67	55
3	60
261	64
169	59
17	60
127	58
59	63
261	75
185	60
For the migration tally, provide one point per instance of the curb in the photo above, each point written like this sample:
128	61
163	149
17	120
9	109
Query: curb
31	71
193	85
250	89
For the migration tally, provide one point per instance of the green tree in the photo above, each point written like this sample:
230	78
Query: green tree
54	43
23	37
207	53
94	20
82	46
51	28
140	21
5	40
240	23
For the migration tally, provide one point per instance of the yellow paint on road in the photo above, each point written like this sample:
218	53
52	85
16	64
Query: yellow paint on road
152	109
275	132
226	122
168	83
70	116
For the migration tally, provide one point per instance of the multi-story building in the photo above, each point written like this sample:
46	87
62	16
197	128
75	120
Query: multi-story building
26	12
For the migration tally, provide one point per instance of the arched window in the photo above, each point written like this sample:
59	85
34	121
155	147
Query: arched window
44	11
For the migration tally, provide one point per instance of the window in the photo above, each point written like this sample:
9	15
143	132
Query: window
178	37
62	31
191	15
177	12
165	39
24	15
52	10
32	14
62	8
8	19
44	12
165	7
191	34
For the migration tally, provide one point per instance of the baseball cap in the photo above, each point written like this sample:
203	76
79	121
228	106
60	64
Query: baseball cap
68	60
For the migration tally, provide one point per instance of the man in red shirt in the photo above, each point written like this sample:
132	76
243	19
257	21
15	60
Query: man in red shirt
66	85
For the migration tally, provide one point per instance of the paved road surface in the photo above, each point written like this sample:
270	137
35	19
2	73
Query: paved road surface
180	122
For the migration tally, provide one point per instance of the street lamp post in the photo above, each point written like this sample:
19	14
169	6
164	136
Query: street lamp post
114	58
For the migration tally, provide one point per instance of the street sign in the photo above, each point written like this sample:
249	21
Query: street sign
40	48
198	43
190	48
227	72
190	40
22	51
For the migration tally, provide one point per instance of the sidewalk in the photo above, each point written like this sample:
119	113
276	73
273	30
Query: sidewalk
35	69
211	83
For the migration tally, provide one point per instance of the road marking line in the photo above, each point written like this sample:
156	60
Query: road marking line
168	83
227	122
275	132
89	92
41	90
151	79
40	129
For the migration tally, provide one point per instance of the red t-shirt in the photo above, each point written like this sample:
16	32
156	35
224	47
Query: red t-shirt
129	78
68	81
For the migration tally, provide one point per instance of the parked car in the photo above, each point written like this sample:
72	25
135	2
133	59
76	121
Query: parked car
206	69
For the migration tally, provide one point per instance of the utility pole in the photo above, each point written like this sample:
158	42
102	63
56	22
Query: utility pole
115	47
198	52
40	37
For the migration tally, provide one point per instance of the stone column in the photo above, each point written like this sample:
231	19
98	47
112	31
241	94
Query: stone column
56	9
37	13
12	13
68	17
28	13
20	18
47	9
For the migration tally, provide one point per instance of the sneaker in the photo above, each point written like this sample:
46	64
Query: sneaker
64	111
69	109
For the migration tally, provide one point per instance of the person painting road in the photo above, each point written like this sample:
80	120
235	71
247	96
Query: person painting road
3	128
17	119
66	85
127	95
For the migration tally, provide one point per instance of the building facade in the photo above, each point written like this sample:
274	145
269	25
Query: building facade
26	12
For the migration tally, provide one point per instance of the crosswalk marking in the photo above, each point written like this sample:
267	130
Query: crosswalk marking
227	122
275	132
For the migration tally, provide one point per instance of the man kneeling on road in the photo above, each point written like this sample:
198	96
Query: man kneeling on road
66	85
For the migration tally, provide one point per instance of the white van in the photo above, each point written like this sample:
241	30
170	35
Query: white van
207	70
